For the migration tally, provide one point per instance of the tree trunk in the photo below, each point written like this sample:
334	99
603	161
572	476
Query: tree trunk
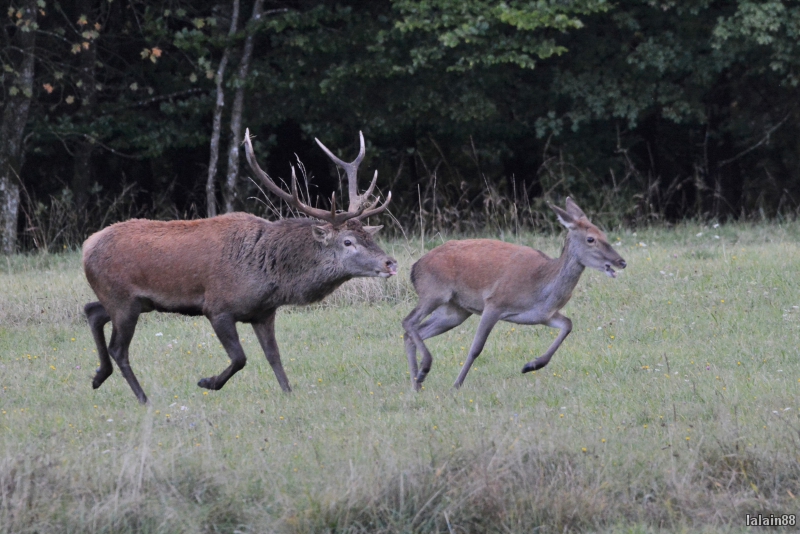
211	195
15	117
238	104
86	92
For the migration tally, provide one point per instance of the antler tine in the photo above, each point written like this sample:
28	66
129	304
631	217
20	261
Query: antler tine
341	218
294	198
351	169
265	179
368	192
369	212
324	215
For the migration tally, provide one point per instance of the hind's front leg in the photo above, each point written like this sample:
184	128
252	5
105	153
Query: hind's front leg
556	321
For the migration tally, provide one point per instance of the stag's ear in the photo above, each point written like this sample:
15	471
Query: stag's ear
372	230
564	218
574	210
323	234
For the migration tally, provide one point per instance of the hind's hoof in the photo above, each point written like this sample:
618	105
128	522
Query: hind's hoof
532	367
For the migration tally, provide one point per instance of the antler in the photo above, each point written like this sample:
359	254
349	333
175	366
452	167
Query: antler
336	219
357	202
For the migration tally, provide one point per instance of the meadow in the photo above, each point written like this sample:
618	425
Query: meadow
672	407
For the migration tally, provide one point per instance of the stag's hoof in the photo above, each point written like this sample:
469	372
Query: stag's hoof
99	378
208	383
532	366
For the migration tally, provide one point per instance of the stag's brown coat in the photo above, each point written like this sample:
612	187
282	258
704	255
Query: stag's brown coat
236	263
232	268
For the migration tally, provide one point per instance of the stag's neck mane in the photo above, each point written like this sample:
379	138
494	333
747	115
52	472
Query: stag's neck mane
288	255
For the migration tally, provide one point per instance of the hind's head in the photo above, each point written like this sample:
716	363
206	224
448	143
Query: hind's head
588	242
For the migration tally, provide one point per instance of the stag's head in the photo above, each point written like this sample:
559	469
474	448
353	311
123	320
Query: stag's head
587	242
355	249
342	232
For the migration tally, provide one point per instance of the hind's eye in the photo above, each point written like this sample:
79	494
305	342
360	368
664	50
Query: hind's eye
590	240
348	243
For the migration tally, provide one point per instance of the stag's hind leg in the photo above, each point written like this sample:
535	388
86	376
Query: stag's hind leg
123	326
97	316
265	332
225	327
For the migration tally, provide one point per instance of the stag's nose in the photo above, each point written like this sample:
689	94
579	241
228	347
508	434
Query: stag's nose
621	263
391	266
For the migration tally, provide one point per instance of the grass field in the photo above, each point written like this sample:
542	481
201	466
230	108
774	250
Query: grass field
673	406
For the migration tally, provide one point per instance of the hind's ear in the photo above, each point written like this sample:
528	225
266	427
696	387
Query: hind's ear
323	234
574	210
564	218
372	230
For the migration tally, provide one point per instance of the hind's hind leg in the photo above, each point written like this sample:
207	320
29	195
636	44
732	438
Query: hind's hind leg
98	317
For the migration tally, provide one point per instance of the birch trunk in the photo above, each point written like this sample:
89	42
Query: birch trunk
211	195
12	130
236	110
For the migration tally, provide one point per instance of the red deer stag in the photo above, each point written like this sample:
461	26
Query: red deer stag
501	282
231	268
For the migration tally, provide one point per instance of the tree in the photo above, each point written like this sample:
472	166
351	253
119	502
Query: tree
238	107
18	65
86	32
219	78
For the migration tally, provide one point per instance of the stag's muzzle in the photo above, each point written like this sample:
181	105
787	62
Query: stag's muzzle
390	267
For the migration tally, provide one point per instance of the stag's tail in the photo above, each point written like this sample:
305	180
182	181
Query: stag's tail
98	317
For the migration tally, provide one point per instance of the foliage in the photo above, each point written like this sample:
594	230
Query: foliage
487	33
673	109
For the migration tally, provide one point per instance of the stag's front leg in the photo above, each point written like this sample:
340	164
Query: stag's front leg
225	328
556	321
123	325
98	317
265	332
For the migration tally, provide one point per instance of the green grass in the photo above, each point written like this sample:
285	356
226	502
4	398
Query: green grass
673	406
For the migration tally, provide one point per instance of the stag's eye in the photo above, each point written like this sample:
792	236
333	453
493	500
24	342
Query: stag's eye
348	243
590	240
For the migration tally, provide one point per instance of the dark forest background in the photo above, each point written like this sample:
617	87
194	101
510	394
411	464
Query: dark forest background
475	112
